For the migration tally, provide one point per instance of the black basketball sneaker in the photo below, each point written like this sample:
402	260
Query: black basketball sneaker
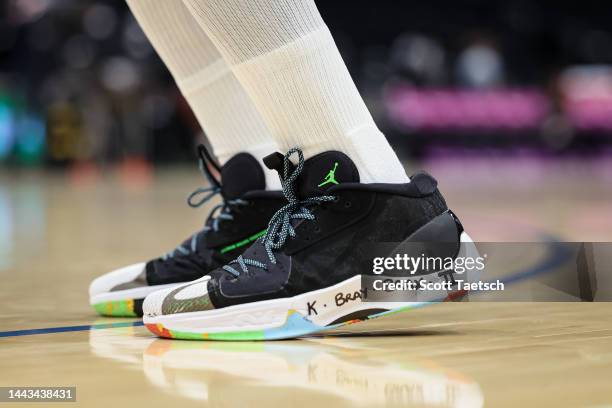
240	219
305	274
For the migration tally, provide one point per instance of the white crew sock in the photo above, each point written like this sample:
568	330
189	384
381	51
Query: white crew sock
223	108
285	57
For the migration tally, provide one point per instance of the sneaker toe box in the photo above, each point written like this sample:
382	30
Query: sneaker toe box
128	277
190	297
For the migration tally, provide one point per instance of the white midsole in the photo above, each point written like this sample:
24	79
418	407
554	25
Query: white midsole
269	314
321	307
136	293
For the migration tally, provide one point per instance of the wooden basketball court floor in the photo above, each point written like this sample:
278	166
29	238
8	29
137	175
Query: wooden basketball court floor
56	235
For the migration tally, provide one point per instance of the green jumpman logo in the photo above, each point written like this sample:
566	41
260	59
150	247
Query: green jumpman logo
331	177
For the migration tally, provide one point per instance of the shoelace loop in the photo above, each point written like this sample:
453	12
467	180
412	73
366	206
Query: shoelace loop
217	214
280	226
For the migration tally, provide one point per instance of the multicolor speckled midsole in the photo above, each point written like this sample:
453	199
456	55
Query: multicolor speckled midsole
124	303
295	326
120	308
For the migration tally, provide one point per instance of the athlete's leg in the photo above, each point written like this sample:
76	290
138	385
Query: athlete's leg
285	57
224	110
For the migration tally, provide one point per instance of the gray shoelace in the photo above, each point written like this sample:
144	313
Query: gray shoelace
280	227
220	212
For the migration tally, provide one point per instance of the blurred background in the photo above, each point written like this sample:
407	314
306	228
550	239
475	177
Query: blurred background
81	85
508	103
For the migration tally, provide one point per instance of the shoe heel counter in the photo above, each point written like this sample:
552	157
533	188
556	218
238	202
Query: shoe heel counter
444	227
438	237
442	237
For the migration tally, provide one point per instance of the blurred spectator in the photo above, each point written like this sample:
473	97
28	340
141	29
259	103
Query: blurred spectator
80	81
480	65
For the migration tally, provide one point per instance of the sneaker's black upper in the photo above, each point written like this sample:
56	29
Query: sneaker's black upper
317	251
231	226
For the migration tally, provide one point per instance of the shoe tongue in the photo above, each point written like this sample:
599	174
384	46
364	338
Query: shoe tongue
325	170
241	174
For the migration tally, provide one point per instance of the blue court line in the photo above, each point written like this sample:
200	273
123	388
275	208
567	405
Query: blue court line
63	329
558	254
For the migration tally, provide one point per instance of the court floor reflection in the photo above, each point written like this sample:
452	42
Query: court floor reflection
324	371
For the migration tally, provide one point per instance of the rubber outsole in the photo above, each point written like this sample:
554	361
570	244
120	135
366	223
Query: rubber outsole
295	326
